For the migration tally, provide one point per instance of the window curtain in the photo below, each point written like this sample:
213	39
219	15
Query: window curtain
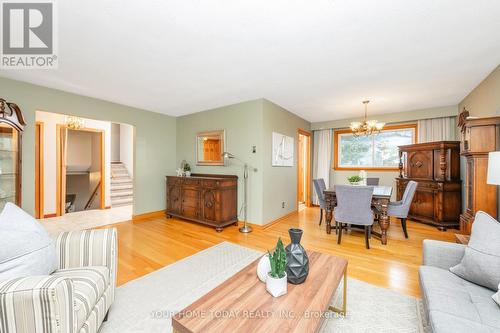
437	129
322	158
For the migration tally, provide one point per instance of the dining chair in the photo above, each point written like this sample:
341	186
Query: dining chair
354	206
320	186
401	208
372	181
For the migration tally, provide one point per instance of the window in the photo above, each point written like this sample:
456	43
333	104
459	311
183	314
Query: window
377	151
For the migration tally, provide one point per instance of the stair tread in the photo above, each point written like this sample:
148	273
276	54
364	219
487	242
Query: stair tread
122	194
114	202
122	186
120	180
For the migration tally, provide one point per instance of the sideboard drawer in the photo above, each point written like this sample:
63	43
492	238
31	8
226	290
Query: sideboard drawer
210	183
191	182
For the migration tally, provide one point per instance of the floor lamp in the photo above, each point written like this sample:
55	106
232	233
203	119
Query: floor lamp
226	155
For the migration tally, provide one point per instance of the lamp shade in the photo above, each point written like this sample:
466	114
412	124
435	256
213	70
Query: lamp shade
494	168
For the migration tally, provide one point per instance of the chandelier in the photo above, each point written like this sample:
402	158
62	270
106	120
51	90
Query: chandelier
73	122
367	127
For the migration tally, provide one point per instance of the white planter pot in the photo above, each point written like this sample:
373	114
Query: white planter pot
276	287
263	268
188	173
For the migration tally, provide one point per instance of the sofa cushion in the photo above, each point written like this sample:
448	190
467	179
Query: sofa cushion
481	261
445	294
26	247
496	297
90	284
442	322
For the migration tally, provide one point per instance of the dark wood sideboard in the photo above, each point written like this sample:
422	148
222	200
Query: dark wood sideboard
479	137
203	198
436	168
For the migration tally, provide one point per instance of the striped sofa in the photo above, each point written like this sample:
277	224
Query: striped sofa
75	298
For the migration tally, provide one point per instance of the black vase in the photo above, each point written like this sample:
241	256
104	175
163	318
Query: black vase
297	262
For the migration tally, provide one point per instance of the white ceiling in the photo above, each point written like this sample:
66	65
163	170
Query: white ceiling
319	59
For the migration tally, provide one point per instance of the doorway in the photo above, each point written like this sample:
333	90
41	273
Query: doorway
80	169
304	169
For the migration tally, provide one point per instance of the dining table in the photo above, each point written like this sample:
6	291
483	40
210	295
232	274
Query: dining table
380	202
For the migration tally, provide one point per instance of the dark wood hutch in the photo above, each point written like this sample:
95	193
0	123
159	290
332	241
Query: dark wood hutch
11	128
480	136
436	168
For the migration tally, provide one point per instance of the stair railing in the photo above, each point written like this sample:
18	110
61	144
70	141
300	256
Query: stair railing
92	196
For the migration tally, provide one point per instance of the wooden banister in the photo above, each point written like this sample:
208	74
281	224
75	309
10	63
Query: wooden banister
92	197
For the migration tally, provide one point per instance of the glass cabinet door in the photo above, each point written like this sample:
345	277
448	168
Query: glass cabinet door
9	165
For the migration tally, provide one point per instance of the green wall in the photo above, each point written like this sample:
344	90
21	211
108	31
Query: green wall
484	100
242	123
280	183
154	148
248	124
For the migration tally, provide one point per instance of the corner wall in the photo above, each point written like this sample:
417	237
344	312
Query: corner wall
248	124
484	100
155	138
280	183
242	123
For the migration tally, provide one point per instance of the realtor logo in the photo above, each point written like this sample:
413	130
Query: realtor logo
28	35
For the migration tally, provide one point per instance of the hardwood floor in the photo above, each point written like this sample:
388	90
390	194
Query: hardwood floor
150	244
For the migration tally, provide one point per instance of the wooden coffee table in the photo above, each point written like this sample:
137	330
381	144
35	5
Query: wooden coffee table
242	304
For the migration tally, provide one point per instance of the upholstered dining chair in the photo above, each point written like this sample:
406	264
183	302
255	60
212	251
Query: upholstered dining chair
320	186
354	206
401	208
372	181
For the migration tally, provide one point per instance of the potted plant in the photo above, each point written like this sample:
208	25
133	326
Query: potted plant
355	180
276	282
187	169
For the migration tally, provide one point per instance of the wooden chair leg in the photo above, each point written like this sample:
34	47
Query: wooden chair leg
320	216
339	238
367	239
336	228
403	224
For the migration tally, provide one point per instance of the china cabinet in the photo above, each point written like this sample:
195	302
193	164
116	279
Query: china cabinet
11	127
435	166
480	136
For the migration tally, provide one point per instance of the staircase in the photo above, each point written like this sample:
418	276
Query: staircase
122	189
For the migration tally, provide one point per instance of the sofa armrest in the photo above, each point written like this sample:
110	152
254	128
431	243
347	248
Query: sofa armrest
84	248
37	304
442	254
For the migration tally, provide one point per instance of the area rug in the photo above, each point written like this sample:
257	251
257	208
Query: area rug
148	303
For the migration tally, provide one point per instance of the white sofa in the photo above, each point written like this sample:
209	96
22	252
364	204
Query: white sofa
75	298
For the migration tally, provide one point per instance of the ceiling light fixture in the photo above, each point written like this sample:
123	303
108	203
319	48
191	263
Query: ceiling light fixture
367	127
73	122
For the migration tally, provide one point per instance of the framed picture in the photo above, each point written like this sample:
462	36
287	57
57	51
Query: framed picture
282	150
